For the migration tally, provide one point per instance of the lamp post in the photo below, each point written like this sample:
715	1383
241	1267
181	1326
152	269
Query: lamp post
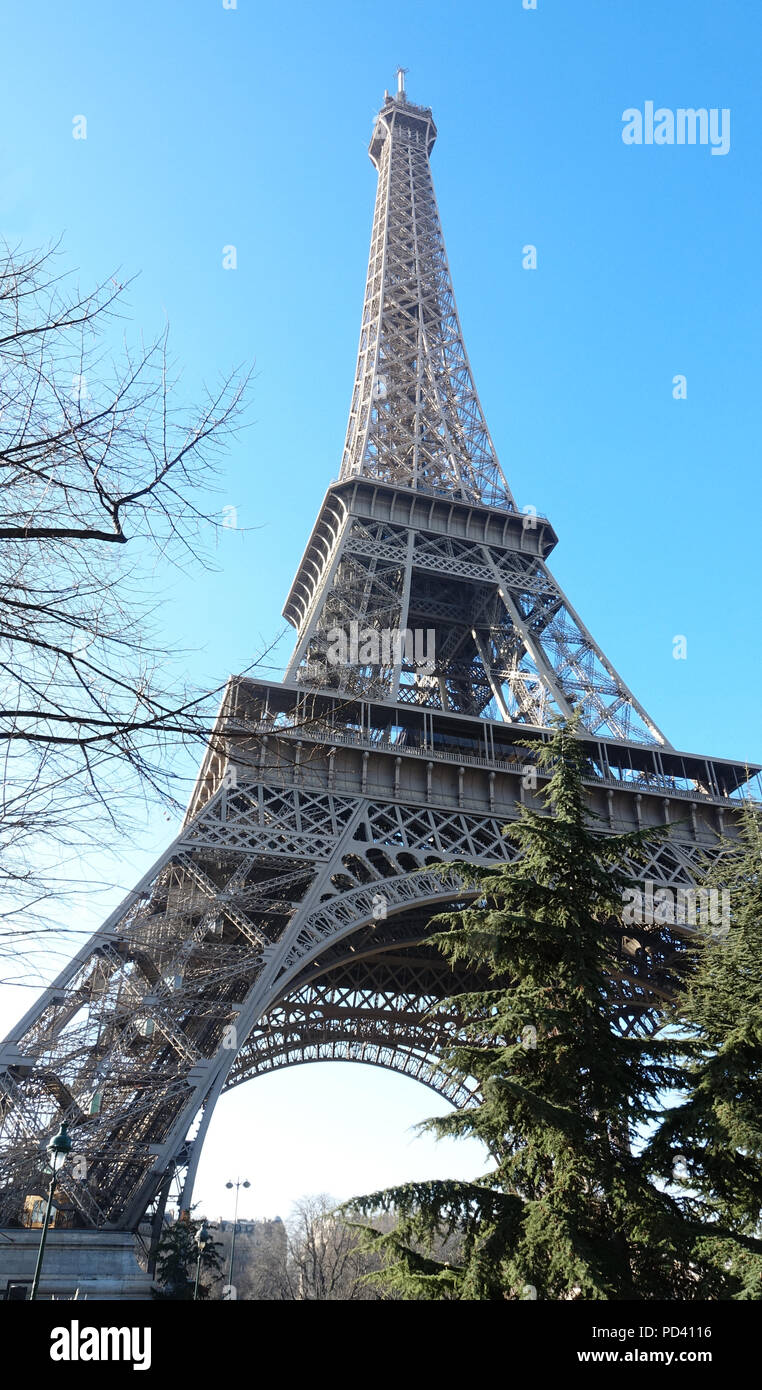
202	1240
241	1182
59	1149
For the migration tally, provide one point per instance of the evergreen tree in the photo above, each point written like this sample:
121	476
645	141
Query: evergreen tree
570	1210
709	1143
176	1258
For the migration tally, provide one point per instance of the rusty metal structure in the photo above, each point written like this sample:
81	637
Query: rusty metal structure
288	922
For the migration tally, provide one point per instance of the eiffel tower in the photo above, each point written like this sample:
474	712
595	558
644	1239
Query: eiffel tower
288	921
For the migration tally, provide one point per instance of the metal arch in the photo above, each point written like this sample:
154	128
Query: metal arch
369	997
153	1070
404	1062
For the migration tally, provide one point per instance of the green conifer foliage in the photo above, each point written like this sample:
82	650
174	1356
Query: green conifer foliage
176	1257
570	1210
709	1143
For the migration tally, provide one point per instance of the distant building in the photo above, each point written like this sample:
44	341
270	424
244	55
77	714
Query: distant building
263	1231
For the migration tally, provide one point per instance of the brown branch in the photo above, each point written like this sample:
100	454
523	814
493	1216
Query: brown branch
59	533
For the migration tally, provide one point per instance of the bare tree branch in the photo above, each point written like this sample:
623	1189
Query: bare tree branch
97	450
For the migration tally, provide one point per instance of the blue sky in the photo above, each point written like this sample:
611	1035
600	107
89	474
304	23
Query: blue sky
208	127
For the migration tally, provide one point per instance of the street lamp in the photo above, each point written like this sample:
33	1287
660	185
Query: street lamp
203	1239
241	1182
58	1150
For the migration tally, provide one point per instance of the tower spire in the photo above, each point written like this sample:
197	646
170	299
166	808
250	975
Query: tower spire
415	418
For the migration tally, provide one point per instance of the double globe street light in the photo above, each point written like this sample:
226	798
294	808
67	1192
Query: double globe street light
241	1182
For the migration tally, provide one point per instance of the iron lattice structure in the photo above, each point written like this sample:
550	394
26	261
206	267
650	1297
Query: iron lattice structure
415	419
289	920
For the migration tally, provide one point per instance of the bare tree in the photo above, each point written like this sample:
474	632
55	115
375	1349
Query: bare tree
321	1254
105	473
325	1262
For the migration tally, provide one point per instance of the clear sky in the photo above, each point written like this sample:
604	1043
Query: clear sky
209	127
